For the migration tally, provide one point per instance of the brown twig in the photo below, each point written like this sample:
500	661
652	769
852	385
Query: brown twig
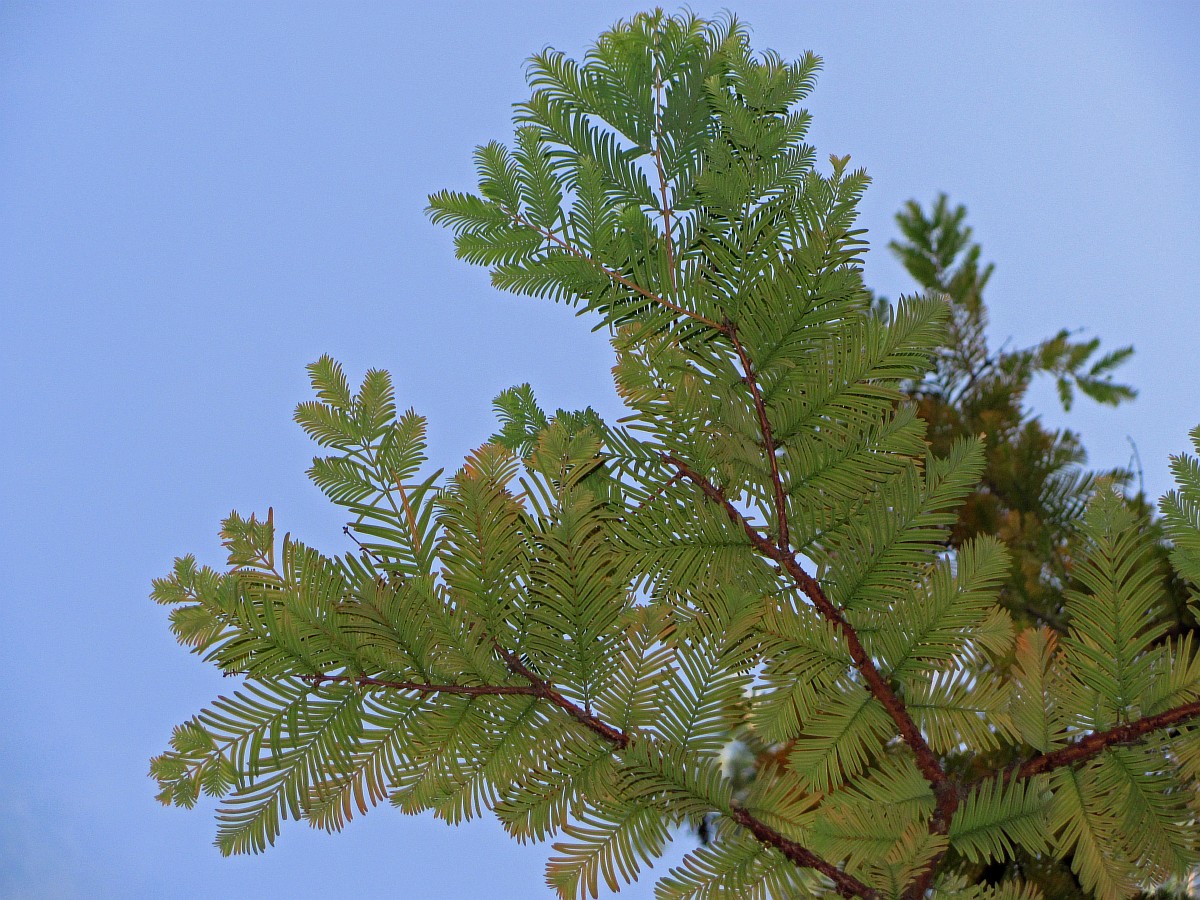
363	547
545	690
944	789
847	885
1097	742
764	424
466	690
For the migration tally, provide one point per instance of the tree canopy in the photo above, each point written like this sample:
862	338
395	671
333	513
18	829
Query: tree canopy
567	630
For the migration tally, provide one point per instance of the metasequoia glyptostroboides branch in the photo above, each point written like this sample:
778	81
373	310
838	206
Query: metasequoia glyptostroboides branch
845	884
927	761
1093	744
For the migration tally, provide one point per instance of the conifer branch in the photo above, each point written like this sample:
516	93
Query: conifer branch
662	175
545	690
944	789
846	885
784	540
613	274
1097	742
466	690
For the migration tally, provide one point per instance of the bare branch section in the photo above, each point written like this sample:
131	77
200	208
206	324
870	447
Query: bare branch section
1094	744
945	791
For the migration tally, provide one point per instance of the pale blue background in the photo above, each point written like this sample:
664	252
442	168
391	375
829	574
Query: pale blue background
196	199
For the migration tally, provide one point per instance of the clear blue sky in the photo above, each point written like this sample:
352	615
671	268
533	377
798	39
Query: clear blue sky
197	199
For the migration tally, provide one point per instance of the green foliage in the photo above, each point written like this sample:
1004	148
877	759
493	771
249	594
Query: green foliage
567	631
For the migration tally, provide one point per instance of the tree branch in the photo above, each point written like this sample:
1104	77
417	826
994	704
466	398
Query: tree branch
944	789
544	689
662	175
784	539
1094	744
614	275
847	885
466	690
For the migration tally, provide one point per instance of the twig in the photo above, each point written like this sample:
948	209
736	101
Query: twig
764	424
944	789
847	885
614	275
544	689
1097	742
466	690
363	547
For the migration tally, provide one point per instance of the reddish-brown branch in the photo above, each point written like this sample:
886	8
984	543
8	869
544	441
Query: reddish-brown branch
1093	744
660	490
764	425
614	275
544	689
944	790
466	690
847	885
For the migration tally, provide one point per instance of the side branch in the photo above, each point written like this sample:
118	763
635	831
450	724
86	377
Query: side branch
545	690
466	690
847	885
764	425
614	275
662	175
944	790
1094	744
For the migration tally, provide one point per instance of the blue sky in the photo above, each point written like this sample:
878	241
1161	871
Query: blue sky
196	200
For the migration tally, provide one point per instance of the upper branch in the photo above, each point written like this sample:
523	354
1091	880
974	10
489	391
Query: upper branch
615	275
662	175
